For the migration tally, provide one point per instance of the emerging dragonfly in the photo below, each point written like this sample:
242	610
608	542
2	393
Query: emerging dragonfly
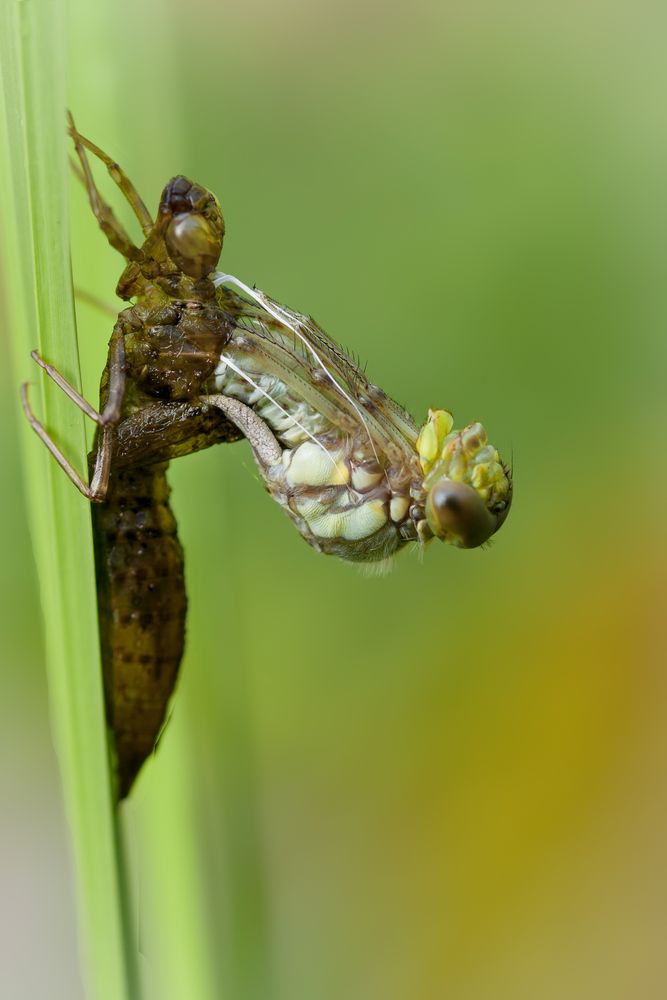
202	358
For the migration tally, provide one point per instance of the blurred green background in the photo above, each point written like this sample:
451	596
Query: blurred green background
449	782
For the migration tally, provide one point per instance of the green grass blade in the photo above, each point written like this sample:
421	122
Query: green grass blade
37	280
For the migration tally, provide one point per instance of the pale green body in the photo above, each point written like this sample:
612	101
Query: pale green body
351	468
345	494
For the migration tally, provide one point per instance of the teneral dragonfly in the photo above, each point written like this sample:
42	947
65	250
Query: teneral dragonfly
200	358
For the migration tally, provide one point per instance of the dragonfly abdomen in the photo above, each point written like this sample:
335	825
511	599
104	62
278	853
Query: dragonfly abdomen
344	496
142	603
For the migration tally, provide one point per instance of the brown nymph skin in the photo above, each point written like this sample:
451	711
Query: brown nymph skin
163	351
170	347
140	575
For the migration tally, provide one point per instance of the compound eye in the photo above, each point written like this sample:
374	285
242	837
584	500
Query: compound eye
457	514
193	244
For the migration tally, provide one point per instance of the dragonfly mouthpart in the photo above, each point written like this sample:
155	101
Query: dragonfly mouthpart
468	488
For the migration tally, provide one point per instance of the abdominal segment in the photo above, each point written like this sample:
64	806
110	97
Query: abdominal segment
345	496
139	566
341	506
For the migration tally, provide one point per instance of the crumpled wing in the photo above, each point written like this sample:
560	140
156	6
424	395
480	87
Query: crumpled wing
273	339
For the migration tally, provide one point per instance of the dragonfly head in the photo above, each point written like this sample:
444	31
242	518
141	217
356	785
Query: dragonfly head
468	488
192	225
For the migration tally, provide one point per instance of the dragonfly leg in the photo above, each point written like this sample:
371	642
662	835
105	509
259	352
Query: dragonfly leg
44	436
109	224
117	375
111	411
107	419
163	431
67	388
265	447
117	174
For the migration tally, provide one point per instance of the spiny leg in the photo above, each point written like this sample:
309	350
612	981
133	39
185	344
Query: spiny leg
117	375
43	435
109	224
118	176
107	419
67	388
113	230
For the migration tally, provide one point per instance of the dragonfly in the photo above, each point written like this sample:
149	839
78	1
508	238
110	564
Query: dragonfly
200	358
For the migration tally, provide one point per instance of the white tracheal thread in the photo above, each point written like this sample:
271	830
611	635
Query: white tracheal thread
239	371
283	317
